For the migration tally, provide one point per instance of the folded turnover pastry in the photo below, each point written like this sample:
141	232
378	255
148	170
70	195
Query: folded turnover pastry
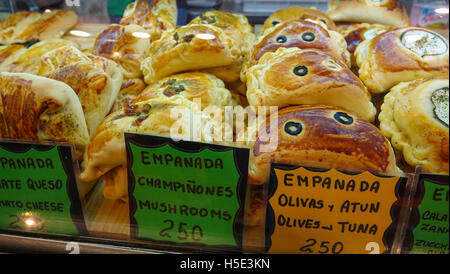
307	77
414	116
156	18
188	48
296	13
385	12
401	55
36	108
9	53
301	34
127	45
237	27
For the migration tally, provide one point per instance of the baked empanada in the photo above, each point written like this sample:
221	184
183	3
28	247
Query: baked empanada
36	108
9	53
188	48
296	13
384	12
96	80
127	45
401	55
414	116
14	24
129	90
209	89
239	29
307	77
161	16
301	34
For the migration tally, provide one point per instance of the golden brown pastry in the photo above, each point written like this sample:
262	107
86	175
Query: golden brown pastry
50	25
9	53
14	24
191	85
307	77
156	18
30	61
296	13
106	151
36	108
192	47
237	27
299	34
127	45
384	12
96	80
414	116
401	55
357	33
129	90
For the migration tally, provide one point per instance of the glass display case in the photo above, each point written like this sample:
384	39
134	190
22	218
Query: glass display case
242	127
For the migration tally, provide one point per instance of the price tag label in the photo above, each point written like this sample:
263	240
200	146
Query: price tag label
432	216
186	192
315	211
38	191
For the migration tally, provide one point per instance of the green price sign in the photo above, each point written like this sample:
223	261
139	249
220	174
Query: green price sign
431	234
186	193
38	191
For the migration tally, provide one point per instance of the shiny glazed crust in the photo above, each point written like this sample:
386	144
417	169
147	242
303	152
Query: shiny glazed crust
387	12
407	118
191	85
123	45
273	82
9	53
40	109
381	69
323	137
192	47
296	13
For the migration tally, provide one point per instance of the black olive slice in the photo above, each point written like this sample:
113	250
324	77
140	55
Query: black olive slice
343	118
293	128
300	70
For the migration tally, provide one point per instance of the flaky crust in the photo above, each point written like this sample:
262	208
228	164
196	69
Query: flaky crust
192	47
385	12
96	80
14	24
124	45
9	53
301	34
237	27
205	87
273	82
37	108
157	18
323	137
408	117
30	61
129	90
413	53
296	13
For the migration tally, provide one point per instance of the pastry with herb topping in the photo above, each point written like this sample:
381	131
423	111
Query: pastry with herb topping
401	55
414	116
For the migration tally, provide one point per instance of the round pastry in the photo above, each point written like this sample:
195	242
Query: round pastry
414	116
401	55
296	13
161	16
237	27
30	61
106	151
127	45
36	108
299	34
322	137
385	12
190	85
192	47
307	77
357	33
